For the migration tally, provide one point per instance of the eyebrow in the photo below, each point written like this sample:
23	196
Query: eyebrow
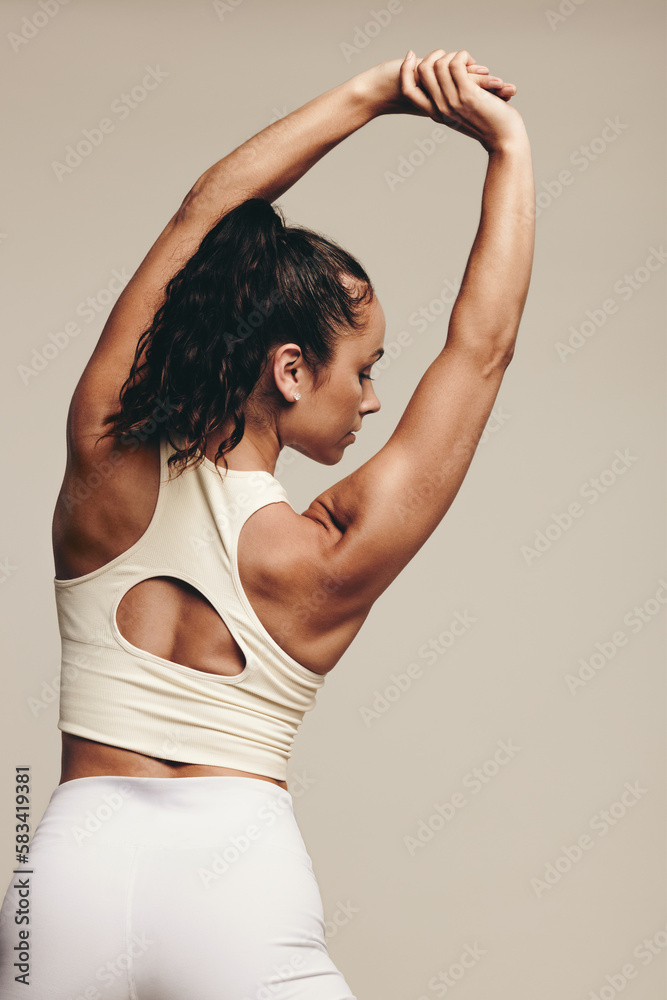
378	353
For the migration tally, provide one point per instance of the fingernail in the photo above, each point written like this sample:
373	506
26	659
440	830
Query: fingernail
410	54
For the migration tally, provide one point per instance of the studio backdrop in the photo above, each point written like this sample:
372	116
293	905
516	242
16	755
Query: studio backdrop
481	786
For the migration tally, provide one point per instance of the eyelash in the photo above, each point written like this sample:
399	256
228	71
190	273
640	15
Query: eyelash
370	377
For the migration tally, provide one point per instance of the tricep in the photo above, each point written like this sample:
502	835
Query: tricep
384	511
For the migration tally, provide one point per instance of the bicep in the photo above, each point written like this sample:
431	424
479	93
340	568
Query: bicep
97	392
385	510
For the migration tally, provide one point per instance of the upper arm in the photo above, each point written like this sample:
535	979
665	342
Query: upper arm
97	392
382	513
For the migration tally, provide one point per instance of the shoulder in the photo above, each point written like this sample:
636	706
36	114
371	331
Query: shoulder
276	536
297	556
106	500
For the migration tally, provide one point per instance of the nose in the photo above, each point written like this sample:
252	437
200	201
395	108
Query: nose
371	403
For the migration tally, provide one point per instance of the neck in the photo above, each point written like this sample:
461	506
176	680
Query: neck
257	450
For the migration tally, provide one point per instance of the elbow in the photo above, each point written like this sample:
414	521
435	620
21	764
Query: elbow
489	356
485	339
204	204
500	357
185	210
496	363
198	200
506	353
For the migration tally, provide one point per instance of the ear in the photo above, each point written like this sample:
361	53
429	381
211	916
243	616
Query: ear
289	371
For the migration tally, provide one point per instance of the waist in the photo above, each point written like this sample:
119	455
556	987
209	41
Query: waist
82	758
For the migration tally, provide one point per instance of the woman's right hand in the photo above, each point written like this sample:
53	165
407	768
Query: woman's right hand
440	86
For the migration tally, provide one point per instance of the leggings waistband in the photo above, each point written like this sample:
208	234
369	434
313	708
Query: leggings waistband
167	812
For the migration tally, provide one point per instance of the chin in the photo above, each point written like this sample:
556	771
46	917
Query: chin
329	459
331	456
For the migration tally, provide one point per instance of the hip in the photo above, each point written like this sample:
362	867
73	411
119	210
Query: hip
141	886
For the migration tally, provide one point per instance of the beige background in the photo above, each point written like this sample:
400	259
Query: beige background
557	427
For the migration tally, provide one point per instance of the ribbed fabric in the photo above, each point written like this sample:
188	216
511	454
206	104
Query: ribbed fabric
114	693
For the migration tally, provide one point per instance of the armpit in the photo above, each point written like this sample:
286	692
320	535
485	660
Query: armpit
324	515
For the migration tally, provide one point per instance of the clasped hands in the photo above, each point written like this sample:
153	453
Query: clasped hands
385	83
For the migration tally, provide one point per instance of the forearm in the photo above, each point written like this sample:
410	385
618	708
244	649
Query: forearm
489	306
267	164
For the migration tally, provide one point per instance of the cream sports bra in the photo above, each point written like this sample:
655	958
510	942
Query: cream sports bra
114	693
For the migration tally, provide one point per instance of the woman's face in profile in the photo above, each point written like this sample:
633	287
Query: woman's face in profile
321	422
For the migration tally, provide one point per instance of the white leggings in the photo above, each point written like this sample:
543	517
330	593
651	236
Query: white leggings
167	889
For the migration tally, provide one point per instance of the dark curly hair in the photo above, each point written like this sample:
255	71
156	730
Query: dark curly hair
253	283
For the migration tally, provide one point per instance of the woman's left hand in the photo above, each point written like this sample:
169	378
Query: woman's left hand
383	85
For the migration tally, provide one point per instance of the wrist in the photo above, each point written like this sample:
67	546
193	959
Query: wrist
372	90
513	142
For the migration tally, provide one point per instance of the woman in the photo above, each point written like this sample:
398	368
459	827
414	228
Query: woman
199	612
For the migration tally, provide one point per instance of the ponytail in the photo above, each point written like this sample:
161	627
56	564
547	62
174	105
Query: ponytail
254	282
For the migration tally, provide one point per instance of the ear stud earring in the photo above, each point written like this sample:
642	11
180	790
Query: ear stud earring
297	395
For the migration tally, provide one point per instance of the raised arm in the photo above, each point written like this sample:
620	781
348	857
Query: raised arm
377	518
270	162
266	165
